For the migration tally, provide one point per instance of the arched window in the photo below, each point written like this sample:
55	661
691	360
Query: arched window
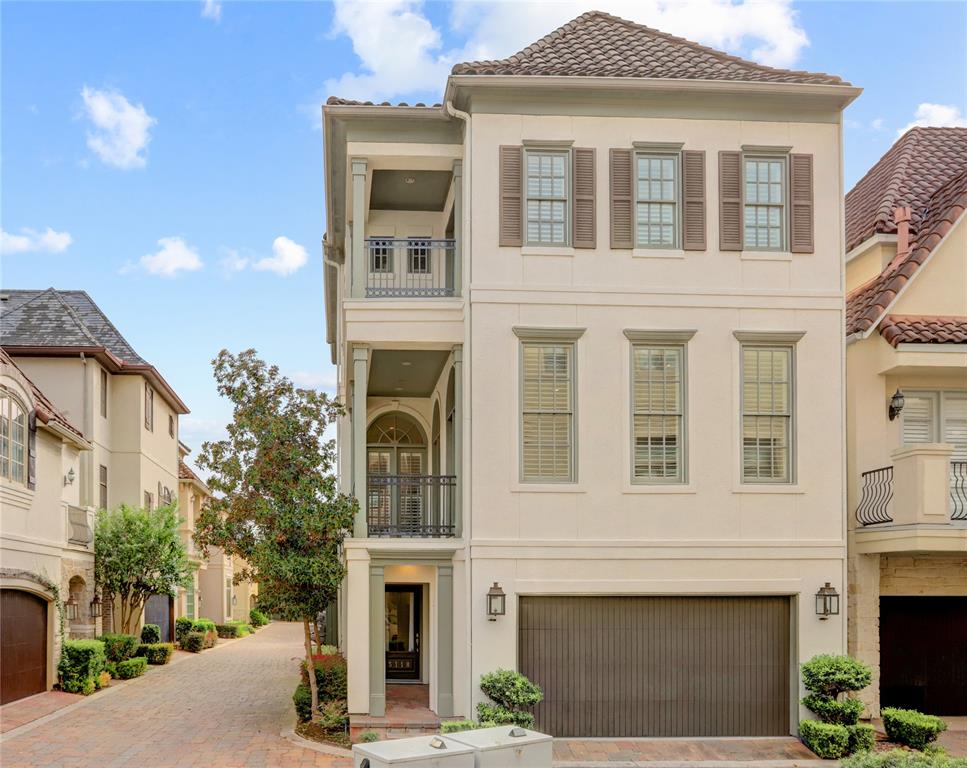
395	429
13	441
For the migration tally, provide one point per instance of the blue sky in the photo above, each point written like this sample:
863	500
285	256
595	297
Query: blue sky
166	157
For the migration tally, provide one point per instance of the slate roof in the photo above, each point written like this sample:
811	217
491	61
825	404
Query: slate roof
45	409
865	305
921	161
922	329
597	44
52	318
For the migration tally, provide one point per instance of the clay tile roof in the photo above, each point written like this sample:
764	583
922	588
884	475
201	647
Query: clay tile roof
866	305
921	160
185	472
45	409
597	44
337	101
917	329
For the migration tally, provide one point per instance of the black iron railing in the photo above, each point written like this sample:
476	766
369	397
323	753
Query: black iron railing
958	490
78	528
409	267
876	496
411	505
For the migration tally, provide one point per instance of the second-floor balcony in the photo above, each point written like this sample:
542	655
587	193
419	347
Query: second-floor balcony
409	267
411	505
80	531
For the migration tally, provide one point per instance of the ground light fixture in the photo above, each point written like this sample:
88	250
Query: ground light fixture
896	404
70	608
96	606
827	602
496	602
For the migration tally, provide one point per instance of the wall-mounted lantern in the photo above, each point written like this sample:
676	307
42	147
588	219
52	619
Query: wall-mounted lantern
827	602
70	608
96	606
69	477
896	404
496	602
234	599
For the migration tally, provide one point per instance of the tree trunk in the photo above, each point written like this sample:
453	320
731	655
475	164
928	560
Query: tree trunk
311	668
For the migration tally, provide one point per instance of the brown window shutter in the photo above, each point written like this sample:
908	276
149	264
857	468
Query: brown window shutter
511	196
622	199
730	201
583	165
32	450
693	200
801	199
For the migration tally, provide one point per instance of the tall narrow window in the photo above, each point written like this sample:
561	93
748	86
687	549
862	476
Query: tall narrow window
148	408
102	487
418	255
765	202
148	500
171	425
656	193
190	600
658	373
547	189
547	423
766	413
13	440
228	597
103	393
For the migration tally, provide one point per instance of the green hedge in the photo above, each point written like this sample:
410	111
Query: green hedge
911	728
208	628
257	618
244	629
227	630
457	726
828	740
132	667
302	698
839	712
194	642
367	737
862	738
111	667
183	626
330	677
119	647
150	633
156	653
900	758
80	666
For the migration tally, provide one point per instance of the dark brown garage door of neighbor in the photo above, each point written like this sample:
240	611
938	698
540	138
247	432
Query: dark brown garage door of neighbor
658	666
23	645
923	654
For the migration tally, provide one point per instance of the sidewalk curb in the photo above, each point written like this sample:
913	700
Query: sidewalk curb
327	749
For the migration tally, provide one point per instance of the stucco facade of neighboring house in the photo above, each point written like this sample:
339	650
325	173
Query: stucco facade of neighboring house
587	318
46	543
192	493
71	350
906	332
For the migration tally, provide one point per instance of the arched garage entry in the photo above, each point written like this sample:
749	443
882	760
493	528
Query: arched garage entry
23	644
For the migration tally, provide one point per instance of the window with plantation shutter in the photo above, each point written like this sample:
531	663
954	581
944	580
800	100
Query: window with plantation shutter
693	200
511	182
658	373
730	201
656	200
547	412
546	190
918	418
621	191
936	417
764	212
583	173
801	203
766	413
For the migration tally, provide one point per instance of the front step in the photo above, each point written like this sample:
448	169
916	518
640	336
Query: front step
392	727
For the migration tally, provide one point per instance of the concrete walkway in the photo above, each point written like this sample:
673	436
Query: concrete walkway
225	707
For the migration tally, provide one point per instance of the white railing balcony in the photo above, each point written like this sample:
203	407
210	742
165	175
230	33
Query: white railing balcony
411	267
80	528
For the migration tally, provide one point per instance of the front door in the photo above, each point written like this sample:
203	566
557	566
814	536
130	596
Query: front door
404	603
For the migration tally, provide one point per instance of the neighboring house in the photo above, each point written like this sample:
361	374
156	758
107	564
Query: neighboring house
46	541
192	493
587	318
906	270
65	343
246	593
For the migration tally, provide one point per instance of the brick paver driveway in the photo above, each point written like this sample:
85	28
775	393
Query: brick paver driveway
225	707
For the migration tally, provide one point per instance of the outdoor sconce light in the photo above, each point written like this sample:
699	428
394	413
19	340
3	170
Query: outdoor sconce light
496	602
896	404
234	599
69	477
827	602
71	608
95	606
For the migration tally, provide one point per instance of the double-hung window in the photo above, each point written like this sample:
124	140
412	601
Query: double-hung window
102	487
765	203
547	411
658	413
103	393
547	190
767	413
148	408
13	440
418	254
656	201
380	255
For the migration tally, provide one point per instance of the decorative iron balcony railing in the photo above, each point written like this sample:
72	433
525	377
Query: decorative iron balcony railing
877	494
409	267
411	505
958	490
78	527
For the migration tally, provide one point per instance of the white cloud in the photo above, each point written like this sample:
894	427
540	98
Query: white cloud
233	261
212	9
877	124
766	31
121	129
287	257
174	256
936	115
31	241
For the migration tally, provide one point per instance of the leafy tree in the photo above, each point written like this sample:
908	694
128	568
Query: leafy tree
138	553
276	502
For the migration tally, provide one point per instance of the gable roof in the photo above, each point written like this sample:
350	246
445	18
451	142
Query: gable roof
46	411
921	161
597	44
866	305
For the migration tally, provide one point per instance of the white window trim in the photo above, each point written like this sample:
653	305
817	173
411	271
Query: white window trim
550	148
658	151
6	394
767	253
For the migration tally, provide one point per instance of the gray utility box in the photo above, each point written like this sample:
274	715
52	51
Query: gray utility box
417	752
507	746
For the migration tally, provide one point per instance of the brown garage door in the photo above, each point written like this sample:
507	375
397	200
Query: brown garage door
23	644
658	666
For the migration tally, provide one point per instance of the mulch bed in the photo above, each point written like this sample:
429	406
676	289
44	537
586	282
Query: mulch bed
315	732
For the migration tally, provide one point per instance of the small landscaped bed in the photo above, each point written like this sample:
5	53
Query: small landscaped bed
331	722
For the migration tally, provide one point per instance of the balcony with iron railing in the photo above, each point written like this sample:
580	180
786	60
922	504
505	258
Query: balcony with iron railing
411	506
80	530
410	267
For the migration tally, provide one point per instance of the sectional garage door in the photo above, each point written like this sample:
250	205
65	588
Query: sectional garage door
658	666
23	645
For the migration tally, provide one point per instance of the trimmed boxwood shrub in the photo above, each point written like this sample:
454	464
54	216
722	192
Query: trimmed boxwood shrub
156	653
862	738
911	728
368	737
827	740
829	675
194	642
330	677
183	626
132	667
257	618
150	633
511	693
111	668
456	726
302	698
901	758
119	647
80	666
227	630
244	629
208	629
838	711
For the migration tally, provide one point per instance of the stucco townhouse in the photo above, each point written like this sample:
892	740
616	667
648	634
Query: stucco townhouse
587	318
906	272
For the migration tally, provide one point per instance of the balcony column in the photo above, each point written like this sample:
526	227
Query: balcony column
444	589
457	227
377	648
458	438
360	385
359	228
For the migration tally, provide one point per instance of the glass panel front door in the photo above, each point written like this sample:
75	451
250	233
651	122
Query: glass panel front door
403	622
